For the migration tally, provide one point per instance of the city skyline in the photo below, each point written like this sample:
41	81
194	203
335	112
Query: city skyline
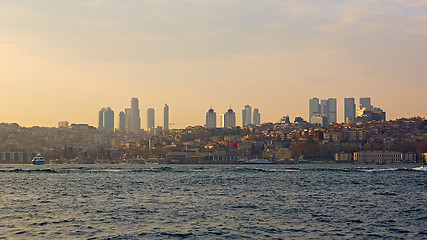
64	61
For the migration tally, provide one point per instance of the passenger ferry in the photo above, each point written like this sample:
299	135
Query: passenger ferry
38	160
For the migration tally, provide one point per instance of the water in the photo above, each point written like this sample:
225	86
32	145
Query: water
212	202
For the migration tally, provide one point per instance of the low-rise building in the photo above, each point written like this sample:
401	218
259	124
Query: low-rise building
379	157
343	157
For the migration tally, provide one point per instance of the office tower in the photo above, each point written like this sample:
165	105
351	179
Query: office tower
221	120
109	120
122	121
328	107
257	117
313	108
101	118
133	119
365	102
128	117
211	119
324	107
247	115
150	120
332	110
166	118
349	109
230	118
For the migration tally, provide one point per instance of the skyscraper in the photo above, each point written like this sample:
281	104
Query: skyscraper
230	118
365	102
122	121
246	115
222	120
150	120
109	120
211	119
101	118
166	118
332	110
313	108
327	107
349	109
133	119
324	107
257	117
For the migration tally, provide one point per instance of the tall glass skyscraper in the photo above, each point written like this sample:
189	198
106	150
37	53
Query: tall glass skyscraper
122	121
313	108
109	120
256	117
349	109
101	118
150	119
211	119
246	115
365	102
133	119
166	118
230	118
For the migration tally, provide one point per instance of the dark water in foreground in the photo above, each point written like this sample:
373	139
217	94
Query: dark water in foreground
212	202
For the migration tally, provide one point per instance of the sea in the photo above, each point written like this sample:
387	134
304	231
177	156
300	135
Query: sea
305	201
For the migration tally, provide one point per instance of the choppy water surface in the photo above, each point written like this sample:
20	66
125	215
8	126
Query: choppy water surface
212	202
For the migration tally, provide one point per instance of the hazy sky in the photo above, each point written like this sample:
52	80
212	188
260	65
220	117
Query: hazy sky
65	60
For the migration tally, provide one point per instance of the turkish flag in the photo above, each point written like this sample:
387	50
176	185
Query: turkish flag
235	145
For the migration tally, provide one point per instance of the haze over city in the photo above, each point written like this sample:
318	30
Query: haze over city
63	61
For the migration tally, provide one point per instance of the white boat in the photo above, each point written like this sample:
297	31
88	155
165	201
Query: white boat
38	160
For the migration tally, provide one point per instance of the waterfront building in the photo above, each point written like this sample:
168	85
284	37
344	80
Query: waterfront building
313	107
109	120
283	155
101	118
256	117
349	109
379	157
210	119
246	115
150	120
365	102
166	118
122	121
343	157
16	157
230	118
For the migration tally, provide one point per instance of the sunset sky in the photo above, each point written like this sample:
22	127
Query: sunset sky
65	60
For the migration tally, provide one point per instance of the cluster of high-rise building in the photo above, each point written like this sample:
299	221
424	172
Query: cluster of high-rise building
106	119
228	119
324	112
130	119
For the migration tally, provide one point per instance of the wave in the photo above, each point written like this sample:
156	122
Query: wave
186	169
28	170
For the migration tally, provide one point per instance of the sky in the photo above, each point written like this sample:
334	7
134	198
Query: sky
65	60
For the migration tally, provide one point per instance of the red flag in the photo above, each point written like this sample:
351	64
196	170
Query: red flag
235	145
